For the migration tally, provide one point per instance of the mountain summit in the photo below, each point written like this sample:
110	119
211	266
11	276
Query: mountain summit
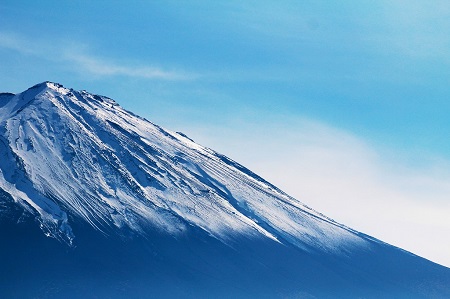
97	201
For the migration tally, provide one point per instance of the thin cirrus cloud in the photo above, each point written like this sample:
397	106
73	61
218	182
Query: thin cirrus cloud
79	60
101	67
16	43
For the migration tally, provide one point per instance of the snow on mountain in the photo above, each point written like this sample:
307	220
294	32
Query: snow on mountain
143	209
83	154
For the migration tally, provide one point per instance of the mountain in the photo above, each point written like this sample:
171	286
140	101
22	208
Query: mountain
97	202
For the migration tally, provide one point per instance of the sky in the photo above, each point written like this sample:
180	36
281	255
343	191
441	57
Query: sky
342	104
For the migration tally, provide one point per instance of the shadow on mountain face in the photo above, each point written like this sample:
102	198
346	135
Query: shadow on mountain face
196	265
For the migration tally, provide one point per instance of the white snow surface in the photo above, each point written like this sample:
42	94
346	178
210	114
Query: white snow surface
71	152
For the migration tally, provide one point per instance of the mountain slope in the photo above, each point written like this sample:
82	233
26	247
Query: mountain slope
152	204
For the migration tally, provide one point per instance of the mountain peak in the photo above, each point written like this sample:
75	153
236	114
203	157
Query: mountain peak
46	84
11	104
39	95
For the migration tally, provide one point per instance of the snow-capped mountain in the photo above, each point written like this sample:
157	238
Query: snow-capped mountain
105	182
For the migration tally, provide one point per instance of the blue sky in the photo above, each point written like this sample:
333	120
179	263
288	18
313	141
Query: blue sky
341	103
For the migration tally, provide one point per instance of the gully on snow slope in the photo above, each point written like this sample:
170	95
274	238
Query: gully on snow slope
96	201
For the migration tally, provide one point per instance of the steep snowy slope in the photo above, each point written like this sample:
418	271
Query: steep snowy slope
78	163
84	154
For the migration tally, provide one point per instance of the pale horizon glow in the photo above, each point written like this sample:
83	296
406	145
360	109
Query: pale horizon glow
340	175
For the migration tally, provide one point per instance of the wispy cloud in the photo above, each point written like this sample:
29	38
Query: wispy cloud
99	66
78	58
399	197
16	43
